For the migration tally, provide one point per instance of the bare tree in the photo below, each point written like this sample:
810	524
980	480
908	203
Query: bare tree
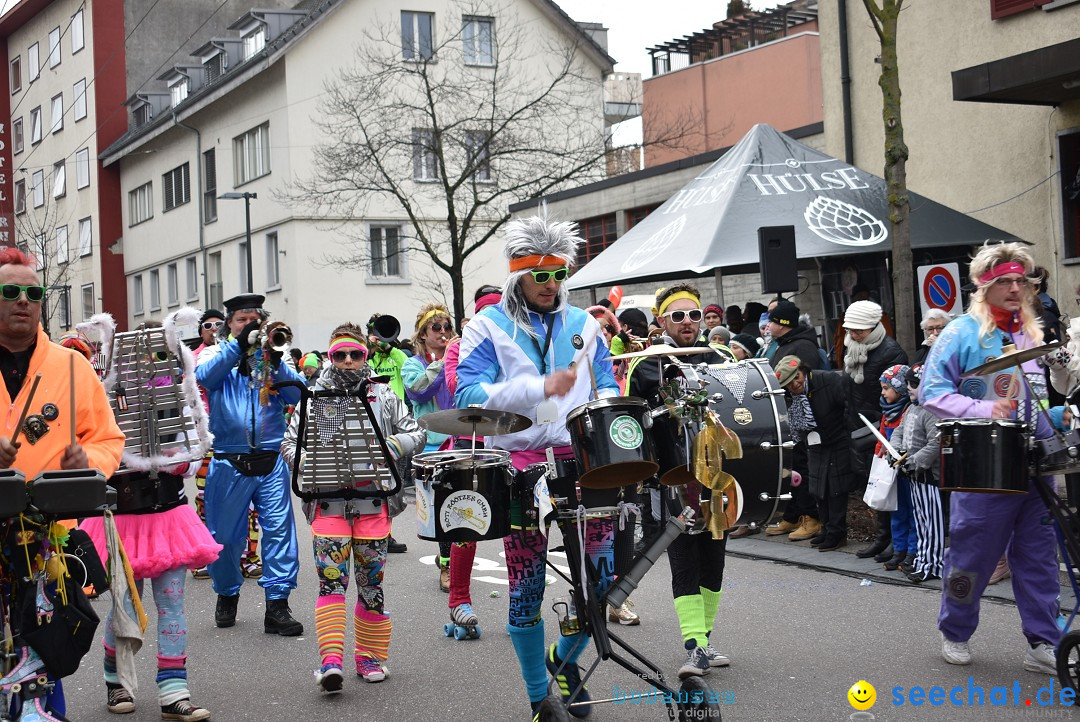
884	16
41	232
448	134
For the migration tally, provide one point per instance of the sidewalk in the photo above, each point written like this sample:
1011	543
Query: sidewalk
843	561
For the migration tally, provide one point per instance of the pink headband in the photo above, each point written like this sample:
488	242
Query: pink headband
1001	269
488	299
346	344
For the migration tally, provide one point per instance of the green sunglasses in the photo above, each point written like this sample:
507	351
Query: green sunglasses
542	277
11	292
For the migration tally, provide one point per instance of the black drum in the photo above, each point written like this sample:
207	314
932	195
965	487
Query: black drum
611	442
13	493
566	493
748	401
70	494
461	496
984	455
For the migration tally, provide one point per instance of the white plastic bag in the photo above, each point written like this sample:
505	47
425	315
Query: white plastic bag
881	486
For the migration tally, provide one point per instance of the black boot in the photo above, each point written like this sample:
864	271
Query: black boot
225	612
395	547
882	536
908	565
279	620
885	555
893	564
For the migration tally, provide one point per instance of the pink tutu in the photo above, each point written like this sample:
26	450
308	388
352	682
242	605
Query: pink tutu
156	543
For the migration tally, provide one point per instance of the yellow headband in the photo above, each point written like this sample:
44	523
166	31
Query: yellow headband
677	296
430	315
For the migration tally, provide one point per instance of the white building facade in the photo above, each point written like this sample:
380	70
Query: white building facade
240	117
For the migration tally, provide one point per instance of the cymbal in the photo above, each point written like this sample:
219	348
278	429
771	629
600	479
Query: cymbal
662	349
466	422
1013	357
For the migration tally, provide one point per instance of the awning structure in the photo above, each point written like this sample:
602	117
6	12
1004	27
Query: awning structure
770	179
1046	76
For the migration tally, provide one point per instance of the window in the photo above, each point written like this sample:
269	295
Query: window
20	196
214	67
386	252
62	244
210	186
59	179
637	215
176	187
424	157
172	284
254	42
78	40
273	270
35	126
1069	158
88	299
79	99
142	115
63	308
599	233
37	188
478	154
141	204
155	290
136	294
213	273
17	136
33	61
54	47
1003	8
417	42
82	168
40	251
179	92
251	154
57	114
16	74
192	266
86	232
243	247
477	34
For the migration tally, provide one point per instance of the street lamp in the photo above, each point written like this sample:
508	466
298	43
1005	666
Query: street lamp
234	196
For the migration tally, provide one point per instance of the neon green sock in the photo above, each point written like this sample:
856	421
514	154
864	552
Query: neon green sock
691	612
711	602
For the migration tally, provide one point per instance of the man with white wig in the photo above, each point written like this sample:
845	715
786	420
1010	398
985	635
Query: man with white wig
516	356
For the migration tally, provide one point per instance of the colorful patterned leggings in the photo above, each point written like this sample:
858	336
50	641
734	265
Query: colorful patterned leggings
370	624
171	635
526	551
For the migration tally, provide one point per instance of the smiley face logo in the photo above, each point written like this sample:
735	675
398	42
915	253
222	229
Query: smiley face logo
862	695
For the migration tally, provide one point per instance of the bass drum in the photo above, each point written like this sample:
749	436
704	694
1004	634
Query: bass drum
748	401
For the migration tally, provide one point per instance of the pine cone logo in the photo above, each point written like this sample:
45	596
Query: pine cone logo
843	223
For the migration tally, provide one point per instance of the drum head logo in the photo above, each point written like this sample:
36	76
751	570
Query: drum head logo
625	431
742	416
425	523
466	510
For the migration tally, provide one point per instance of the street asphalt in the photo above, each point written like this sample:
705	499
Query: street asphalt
801	628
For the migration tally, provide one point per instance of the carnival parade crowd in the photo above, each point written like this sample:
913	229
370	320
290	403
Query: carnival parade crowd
527	351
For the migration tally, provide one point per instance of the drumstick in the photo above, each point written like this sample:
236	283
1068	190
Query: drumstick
71	396
578	357
26	409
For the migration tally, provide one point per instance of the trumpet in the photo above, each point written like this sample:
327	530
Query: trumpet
276	336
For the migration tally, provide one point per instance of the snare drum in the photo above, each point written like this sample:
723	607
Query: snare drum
748	401
461	496
611	442
566	493
984	455
1063	460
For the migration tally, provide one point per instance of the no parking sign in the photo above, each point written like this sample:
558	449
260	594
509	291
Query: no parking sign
939	287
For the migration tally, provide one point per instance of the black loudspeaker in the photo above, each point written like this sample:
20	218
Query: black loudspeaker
776	251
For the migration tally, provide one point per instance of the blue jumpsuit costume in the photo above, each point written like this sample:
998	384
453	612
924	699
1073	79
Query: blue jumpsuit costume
242	426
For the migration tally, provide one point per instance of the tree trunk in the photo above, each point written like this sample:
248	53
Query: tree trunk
896	155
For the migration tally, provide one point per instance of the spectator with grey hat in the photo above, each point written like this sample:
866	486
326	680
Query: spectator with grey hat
868	352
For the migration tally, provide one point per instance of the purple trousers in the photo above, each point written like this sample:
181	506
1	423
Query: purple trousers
981	527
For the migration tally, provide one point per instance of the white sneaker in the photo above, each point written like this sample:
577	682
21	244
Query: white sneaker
623	615
957	652
716	659
1042	659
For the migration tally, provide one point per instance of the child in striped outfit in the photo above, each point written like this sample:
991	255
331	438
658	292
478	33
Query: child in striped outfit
336	537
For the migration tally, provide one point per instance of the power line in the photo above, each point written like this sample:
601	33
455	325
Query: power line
995	205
